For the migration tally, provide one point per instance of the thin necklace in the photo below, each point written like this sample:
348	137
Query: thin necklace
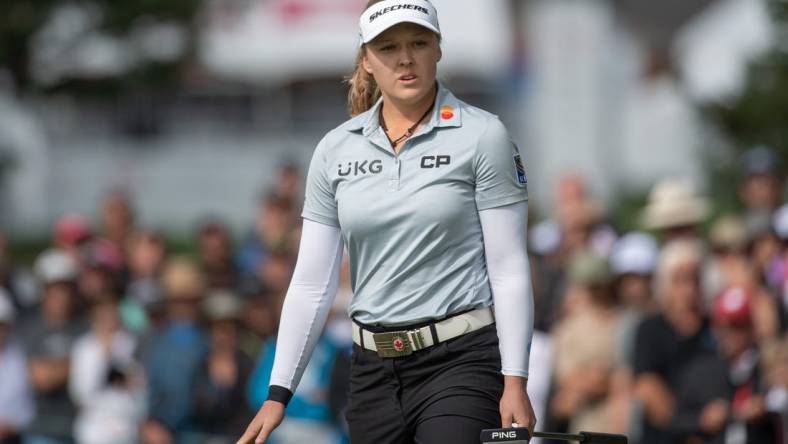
409	131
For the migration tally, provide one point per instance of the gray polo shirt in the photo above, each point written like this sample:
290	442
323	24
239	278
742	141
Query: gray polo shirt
409	220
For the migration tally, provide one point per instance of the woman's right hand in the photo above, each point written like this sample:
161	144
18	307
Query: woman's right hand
266	420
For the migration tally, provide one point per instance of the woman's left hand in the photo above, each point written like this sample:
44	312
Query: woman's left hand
515	406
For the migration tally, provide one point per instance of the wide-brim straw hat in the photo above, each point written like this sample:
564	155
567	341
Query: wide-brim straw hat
674	203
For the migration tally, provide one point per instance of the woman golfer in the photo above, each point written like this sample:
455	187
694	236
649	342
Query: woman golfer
428	195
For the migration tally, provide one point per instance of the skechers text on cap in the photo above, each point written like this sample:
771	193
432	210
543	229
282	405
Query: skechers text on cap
383	15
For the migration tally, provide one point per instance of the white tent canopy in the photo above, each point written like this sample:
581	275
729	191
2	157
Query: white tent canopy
275	41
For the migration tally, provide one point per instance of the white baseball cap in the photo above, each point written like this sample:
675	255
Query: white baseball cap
7	312
634	253
383	15
55	266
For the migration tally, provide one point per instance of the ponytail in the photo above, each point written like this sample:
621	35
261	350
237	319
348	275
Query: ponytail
364	91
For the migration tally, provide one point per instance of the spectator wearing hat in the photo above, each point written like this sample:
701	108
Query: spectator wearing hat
728	234
722	397
215	250
175	356
632	262
730	266
584	364
674	210
735	318
667	341
220	406
105	381
71	233
728	259
48	342
761	188
16	400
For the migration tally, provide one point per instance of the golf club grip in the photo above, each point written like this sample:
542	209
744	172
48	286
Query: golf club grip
602	438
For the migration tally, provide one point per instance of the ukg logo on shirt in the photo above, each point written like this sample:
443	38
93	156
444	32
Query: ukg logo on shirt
360	167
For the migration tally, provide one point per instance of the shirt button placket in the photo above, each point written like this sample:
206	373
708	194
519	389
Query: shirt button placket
395	175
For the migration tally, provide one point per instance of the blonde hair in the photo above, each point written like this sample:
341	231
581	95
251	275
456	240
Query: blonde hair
364	91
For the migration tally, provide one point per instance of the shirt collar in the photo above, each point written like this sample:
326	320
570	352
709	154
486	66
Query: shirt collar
446	113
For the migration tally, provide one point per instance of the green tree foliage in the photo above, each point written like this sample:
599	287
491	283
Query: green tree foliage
757	116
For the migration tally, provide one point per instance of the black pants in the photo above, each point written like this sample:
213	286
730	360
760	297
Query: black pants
446	393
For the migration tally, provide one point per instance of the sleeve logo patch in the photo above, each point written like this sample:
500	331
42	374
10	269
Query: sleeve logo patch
519	170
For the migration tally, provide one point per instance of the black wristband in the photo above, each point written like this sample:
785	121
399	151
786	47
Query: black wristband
279	394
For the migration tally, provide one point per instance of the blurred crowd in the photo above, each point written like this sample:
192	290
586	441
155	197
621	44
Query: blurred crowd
111	337
674	334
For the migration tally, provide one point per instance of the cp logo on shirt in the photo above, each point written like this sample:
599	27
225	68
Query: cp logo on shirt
435	161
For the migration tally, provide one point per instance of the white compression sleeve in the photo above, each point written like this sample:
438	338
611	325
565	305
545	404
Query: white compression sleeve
308	301
505	248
